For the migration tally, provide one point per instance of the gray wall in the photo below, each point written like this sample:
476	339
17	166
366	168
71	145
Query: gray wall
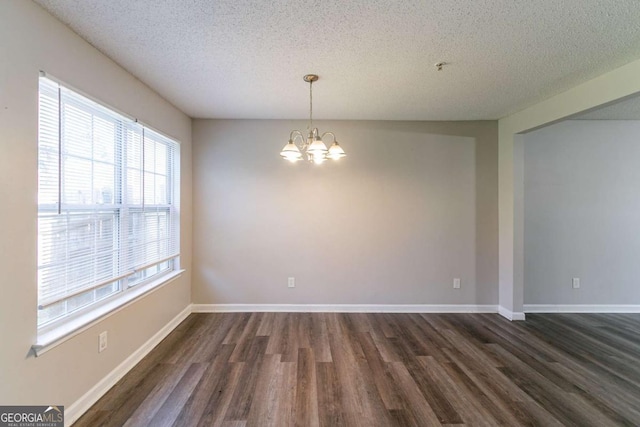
31	40
582	213
412	206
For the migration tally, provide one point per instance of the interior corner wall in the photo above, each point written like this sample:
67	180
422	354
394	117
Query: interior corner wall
581	213
413	205
32	40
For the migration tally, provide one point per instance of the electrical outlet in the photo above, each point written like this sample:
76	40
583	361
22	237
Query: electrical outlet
291	282
456	283
102	342
575	283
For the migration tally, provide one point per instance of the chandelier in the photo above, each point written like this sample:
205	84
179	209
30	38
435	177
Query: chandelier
313	148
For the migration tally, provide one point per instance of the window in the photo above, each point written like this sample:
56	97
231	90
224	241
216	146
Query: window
108	217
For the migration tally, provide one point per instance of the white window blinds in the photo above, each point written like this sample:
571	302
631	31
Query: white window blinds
108	197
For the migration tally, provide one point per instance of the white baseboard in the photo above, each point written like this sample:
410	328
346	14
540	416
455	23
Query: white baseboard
582	308
80	406
511	315
345	308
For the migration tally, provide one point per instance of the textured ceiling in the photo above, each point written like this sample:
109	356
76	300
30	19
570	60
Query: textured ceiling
375	58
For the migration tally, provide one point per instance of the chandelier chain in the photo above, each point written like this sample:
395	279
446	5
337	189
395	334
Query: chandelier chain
311	105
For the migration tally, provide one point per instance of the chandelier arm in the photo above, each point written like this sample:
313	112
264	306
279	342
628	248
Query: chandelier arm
293	137
297	133
328	133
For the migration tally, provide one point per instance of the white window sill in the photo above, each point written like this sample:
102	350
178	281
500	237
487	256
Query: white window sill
67	330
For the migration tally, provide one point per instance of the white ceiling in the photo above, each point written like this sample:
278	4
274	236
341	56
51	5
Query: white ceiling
375	58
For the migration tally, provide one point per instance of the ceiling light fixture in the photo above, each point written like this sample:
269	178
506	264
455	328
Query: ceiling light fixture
313	147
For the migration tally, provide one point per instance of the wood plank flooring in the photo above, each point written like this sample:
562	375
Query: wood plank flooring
336	369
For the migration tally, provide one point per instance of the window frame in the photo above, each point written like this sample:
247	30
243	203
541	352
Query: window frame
57	329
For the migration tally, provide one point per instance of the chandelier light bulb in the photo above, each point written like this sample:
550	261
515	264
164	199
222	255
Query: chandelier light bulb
292	159
291	151
317	146
335	151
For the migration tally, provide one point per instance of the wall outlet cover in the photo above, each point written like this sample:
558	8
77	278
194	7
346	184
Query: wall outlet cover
102	342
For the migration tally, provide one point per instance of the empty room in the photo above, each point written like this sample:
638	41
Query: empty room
247	213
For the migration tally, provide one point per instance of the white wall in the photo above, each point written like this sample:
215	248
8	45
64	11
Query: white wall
582	213
412	206
602	90
31	40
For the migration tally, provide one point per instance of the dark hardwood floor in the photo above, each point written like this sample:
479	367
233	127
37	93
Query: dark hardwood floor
333	369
